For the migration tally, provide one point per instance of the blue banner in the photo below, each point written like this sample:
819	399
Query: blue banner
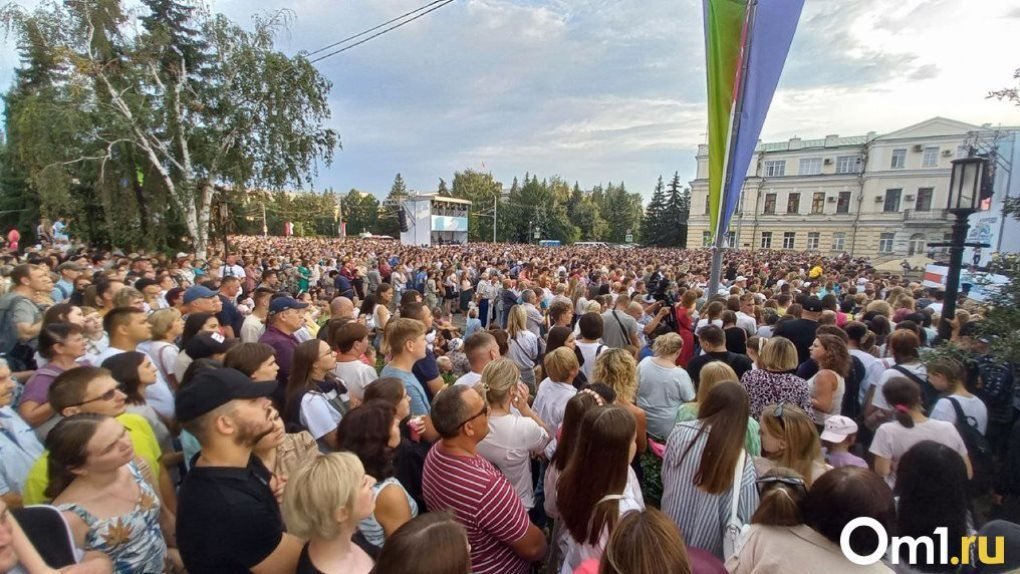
770	35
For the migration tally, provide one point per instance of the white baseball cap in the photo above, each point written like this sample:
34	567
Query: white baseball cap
837	428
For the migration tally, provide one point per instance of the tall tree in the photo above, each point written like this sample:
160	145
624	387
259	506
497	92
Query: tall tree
655	226
388	223
676	214
483	191
148	116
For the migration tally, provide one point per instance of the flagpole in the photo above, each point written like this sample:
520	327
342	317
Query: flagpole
715	274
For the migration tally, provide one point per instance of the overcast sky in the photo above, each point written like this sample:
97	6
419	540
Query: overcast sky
609	90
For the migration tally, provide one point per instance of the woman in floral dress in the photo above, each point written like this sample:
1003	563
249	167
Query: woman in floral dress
106	495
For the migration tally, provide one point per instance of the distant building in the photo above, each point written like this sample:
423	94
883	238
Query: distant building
878	196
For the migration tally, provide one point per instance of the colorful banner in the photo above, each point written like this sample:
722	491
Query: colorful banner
772	24
724	24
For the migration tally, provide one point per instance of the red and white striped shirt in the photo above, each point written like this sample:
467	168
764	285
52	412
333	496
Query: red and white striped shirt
484	502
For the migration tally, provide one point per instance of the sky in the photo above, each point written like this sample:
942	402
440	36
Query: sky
596	91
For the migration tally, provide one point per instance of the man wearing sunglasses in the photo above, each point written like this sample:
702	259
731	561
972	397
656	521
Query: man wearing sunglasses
94	390
458	480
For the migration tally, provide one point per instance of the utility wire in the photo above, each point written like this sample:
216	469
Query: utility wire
377	34
358	35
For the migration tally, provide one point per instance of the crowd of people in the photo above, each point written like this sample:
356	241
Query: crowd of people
352	406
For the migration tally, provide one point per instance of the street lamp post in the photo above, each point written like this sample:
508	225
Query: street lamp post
965	185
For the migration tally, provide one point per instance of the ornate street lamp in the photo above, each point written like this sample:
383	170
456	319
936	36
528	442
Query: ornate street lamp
965	186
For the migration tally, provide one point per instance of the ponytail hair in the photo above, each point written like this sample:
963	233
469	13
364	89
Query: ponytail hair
68	446
903	395
783	490
498	379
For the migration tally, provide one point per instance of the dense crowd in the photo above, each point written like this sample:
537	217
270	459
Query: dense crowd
354	406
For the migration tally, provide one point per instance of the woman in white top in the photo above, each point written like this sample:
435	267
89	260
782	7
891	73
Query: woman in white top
579	299
829	384
904	345
713	316
526	348
588	341
166	325
894	439
598	485
377	312
947	375
513	438
663	386
311	398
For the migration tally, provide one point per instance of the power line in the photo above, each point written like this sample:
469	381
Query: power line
377	34
401	17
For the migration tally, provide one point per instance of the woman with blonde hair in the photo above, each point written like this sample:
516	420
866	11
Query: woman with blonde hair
789	439
512	438
775	379
323	503
712	374
526	348
617	369
663	386
644	542
166	325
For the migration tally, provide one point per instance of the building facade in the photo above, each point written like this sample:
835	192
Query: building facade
878	196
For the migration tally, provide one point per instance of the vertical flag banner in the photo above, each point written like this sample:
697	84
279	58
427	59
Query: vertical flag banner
724	24
771	25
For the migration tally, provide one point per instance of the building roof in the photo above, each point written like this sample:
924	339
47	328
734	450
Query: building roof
831	141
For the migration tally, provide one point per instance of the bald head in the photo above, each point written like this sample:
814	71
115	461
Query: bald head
341	307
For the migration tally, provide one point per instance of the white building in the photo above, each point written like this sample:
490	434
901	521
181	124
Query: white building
879	196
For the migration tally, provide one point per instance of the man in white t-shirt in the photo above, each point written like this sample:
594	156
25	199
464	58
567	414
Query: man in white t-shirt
352	342
481	349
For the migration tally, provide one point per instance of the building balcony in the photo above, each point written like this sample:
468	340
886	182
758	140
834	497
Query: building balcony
930	216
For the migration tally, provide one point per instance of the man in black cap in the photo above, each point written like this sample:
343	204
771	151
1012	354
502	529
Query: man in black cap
228	517
801	332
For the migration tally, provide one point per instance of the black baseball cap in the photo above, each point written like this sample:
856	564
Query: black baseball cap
813	304
205	345
213	388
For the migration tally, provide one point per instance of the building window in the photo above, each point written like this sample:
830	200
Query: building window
892	200
818	203
770	204
766	240
811	166
885	242
813	239
843	202
916	245
706	238
708	206
775	168
848	164
793	203
899	159
924	195
838	241
789	238
930	157
731	239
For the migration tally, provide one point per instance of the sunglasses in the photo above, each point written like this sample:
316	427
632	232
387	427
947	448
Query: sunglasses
767	482
107	396
483	412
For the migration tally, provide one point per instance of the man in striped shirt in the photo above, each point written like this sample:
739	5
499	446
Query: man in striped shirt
458	480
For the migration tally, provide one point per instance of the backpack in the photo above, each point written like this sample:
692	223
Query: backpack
994	385
978	449
19	355
929	394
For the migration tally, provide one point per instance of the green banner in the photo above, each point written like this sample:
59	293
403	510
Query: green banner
724	24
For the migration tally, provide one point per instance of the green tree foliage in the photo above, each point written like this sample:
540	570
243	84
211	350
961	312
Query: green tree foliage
621	210
655	226
361	212
482	190
676	214
140	118
388	223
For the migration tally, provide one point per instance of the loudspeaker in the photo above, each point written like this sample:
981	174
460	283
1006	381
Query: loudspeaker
402	219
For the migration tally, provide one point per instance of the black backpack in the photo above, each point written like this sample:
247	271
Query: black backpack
978	449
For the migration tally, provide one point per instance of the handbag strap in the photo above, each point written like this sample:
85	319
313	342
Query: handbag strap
626	333
738	475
